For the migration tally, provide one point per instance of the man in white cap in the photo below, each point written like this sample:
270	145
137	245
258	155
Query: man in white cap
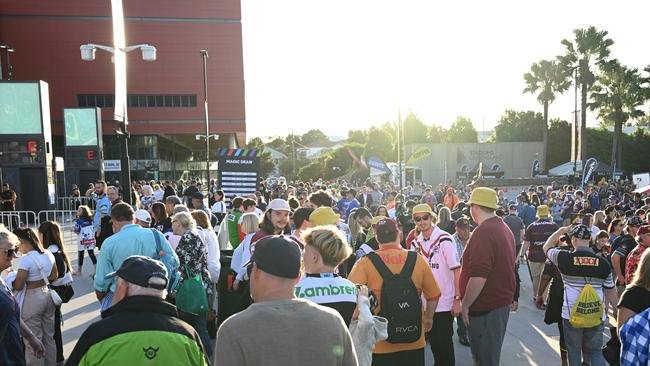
143	218
275	220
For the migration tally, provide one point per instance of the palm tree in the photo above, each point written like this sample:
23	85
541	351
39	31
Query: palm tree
548	78
589	49
618	97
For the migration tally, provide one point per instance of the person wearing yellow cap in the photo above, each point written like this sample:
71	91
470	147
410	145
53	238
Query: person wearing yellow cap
534	238
487	278
439	250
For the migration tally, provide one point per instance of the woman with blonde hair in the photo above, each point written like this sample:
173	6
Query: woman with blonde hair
325	249
192	255
599	220
209	237
636	297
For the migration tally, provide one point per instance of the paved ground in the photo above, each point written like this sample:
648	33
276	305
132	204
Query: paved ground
528	340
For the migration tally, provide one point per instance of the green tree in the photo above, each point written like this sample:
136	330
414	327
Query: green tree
312	137
519	126
415	131
266	162
358	136
379	143
559	142
436	134
462	130
547	78
588	51
618	97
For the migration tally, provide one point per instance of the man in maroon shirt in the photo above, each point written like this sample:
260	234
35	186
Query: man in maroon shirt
487	278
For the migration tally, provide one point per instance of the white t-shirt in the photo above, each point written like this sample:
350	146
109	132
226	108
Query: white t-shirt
28	263
219	207
241	256
442	256
209	237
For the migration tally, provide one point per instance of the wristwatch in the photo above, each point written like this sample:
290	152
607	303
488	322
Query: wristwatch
457	298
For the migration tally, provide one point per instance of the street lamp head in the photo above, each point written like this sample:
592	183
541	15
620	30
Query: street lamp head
87	52
10	50
148	53
2	45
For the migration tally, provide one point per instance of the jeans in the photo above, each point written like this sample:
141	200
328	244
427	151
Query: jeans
107	301
441	339
589	340
201	325
57	335
461	328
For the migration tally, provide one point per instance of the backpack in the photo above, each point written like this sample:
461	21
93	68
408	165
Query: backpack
173	274
401	303
587	311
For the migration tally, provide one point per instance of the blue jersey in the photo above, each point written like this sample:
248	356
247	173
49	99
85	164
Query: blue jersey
102	207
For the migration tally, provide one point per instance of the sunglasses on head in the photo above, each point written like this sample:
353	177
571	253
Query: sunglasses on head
420	218
11	251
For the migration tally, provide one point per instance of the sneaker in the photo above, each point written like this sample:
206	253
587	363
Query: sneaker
464	341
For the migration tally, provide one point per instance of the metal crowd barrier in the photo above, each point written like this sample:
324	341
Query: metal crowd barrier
65	218
73	203
15	219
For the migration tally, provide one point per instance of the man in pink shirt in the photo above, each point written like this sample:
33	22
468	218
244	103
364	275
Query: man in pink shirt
439	250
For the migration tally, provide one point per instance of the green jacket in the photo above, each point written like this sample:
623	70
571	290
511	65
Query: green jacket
139	330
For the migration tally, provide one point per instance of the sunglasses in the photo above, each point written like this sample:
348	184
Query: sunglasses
420	218
11	252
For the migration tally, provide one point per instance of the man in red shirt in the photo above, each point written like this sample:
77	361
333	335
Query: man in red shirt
633	259
487	278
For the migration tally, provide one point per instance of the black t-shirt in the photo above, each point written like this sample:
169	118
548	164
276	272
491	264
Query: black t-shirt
622	246
635	298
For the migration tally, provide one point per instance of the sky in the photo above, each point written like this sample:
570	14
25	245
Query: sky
338	65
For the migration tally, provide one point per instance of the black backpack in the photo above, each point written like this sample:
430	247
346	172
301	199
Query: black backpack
401	303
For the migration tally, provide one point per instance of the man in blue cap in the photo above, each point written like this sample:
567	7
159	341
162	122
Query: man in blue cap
140	327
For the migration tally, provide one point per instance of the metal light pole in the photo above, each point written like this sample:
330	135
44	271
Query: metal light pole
399	149
119	51
204	58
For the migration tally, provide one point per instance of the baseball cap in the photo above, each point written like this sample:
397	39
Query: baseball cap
278	204
277	255
198	196
323	216
142	271
462	223
143	216
635	221
580	232
485	197
384	228
645	229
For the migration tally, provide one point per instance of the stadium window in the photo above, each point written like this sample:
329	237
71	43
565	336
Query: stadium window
139	100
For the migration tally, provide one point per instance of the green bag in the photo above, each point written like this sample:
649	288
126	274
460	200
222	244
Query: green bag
191	296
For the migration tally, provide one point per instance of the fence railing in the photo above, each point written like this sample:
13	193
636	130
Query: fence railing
15	219
73	203
65	218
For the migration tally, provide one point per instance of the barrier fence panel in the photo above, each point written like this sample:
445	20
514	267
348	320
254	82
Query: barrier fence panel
65	218
14	219
73	203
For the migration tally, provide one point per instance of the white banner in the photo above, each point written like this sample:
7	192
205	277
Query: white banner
112	165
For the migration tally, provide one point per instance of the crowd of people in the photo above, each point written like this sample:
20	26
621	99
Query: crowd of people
347	273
